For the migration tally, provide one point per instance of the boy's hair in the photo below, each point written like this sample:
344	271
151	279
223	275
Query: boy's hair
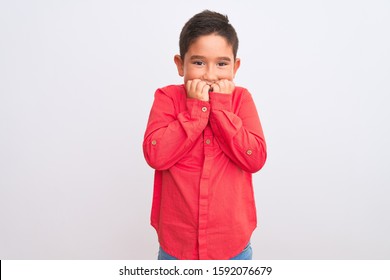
206	23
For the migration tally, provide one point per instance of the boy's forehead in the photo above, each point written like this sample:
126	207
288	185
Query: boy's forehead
210	45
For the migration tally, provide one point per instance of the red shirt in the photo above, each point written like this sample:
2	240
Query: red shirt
204	154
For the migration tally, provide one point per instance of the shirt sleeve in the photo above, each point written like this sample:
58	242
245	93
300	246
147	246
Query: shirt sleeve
170	134
239	134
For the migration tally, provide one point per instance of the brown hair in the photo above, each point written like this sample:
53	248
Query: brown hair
206	23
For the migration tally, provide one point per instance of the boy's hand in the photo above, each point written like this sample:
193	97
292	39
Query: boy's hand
198	89
223	86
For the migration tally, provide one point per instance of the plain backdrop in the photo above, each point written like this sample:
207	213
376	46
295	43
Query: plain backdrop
77	80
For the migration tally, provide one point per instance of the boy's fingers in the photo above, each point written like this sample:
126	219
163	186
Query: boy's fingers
231	86
226	86
205	92
193	85
188	85
190	88
216	87
199	87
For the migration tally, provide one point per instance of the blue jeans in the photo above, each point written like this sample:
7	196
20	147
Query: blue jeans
246	254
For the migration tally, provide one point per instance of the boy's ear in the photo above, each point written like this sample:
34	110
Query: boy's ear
179	64
237	64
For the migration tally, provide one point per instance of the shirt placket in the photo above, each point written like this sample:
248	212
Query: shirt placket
204	192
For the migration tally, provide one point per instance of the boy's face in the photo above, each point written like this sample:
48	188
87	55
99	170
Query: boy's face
209	58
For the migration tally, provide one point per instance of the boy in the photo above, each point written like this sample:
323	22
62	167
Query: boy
204	139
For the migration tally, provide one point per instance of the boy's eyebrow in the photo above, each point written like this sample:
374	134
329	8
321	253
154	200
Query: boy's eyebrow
226	58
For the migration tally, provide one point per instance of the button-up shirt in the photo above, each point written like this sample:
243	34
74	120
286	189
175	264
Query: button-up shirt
204	154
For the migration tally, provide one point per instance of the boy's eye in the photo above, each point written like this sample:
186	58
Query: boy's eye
199	63
221	64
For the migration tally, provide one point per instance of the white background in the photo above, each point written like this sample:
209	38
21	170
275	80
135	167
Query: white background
77	80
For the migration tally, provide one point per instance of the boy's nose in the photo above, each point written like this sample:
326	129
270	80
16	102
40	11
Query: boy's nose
210	76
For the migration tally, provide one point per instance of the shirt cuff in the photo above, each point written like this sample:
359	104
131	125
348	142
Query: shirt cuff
221	101
198	109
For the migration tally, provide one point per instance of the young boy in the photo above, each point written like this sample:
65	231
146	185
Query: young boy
204	140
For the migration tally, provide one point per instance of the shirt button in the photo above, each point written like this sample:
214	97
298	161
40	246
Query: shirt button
249	152
204	109
154	142
208	141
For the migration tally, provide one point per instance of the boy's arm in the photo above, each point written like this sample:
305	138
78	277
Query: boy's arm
170	135
240	135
